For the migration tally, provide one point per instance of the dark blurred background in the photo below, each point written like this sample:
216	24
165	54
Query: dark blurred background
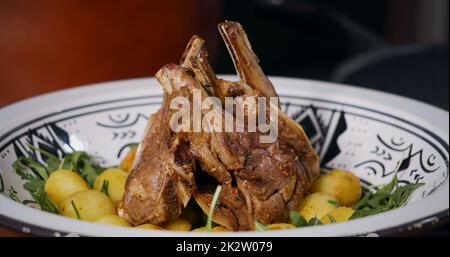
399	46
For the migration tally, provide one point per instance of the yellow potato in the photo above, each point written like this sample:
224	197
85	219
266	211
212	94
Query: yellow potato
127	162
149	226
63	183
116	183
317	205
220	229
340	214
179	224
343	185
90	205
200	229
113	220
214	229
278	226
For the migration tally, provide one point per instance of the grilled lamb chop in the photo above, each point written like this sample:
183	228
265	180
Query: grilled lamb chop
255	177
162	179
250	73
260	181
267	175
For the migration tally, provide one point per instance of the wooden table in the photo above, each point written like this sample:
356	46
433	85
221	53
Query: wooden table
9	233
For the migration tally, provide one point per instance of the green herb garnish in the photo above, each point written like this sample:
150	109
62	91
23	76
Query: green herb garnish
314	222
212	207
387	197
34	182
28	162
336	204
260	227
331	218
36	174
13	194
83	164
297	219
133	145
76	210
105	186
53	163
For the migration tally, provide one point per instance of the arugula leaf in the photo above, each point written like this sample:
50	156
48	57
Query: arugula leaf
28	162
385	198
89	170
297	219
34	185
260	227
41	197
314	222
363	201
83	164
53	162
79	162
383	193
403	193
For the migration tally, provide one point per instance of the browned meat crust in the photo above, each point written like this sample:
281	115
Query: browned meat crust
260	181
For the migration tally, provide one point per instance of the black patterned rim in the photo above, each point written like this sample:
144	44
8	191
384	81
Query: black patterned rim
26	228
408	228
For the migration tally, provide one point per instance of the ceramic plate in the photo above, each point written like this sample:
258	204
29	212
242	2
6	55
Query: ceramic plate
364	131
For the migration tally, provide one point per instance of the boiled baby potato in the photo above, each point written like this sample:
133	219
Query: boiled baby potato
278	226
116	180
127	162
113	220
87	205
149	226
340	214
220	229
343	185
63	183
317	205
179	224
200	229
214	229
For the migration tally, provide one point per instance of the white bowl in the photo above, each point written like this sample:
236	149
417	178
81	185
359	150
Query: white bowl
356	129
